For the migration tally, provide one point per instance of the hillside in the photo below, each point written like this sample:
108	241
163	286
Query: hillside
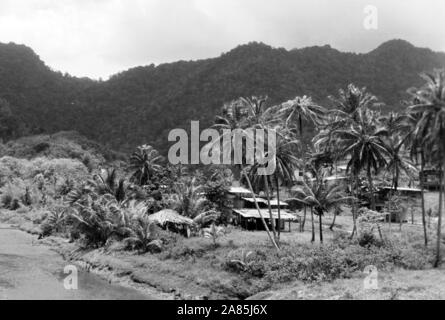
142	104
61	145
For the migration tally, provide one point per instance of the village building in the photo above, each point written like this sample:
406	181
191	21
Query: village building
245	214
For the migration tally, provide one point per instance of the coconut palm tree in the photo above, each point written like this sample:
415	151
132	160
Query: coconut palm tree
145	162
321	197
237	117
417	154
348	104
399	133
299	110
398	161
285	164
430	132
351	109
233	118
363	143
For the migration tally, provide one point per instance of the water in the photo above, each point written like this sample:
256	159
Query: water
28	271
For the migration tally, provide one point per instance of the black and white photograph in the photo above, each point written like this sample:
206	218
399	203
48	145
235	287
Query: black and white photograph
222	155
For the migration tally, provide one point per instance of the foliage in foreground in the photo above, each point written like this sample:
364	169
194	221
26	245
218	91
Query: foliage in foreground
340	259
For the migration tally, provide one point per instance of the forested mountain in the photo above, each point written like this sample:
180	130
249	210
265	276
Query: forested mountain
142	104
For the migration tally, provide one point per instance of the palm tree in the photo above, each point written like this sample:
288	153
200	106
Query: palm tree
190	197
364	143
106	182
286	163
351	108
301	109
398	128
321	198
349	104
398	162
236	118
263	183
417	153
430	132
145	161
233	117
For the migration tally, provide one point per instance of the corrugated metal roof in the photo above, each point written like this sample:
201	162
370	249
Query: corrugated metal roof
253	213
239	190
259	200
403	189
274	202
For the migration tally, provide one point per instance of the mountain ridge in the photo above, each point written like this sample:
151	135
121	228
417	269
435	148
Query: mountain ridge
142	104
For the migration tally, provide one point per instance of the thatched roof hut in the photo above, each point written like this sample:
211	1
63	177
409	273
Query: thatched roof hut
169	216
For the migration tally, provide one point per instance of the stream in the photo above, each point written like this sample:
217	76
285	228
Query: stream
34	272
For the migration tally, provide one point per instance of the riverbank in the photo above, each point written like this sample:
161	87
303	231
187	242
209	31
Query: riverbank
31	270
142	272
196	269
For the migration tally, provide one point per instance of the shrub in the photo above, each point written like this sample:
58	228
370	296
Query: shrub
325	263
180	251
98	220
41	147
55	221
143	234
213	232
11	194
367	239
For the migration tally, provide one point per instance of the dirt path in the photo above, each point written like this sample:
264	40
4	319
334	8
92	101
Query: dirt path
31	271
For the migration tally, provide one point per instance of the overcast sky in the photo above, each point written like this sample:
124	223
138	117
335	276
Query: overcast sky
97	38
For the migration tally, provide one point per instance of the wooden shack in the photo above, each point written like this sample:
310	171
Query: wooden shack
430	178
240	201
250	219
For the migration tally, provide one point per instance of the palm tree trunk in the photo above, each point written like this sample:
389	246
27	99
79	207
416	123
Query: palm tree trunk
279	210
333	222
300	123
272	220
355	207
371	188
439	222
320	221
259	212
422	188
313	225
304	219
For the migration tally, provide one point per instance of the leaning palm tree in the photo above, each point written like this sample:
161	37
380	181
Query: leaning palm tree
262	183
321	197
235	120
430	131
145	162
286	163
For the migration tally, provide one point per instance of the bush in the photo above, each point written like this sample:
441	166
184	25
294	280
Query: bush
98	220
367	239
327	262
12	194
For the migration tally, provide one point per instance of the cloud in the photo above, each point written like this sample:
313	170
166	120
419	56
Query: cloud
97	38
